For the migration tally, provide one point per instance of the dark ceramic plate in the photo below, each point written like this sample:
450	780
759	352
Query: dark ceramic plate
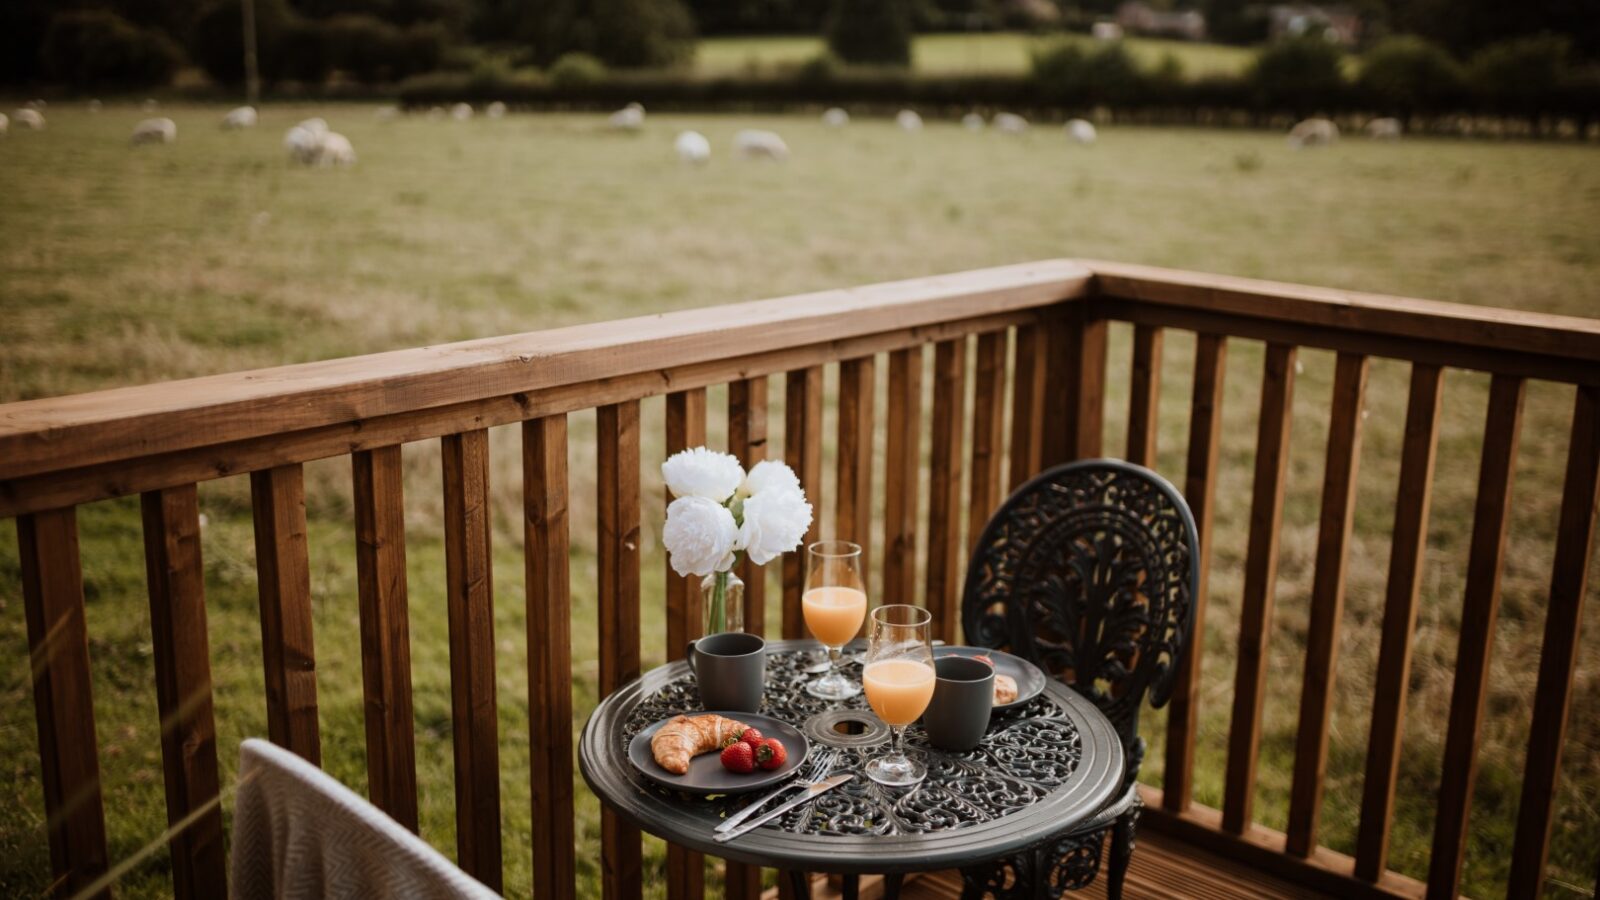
706	774
1030	680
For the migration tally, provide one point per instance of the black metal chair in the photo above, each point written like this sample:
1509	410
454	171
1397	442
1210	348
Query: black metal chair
1089	571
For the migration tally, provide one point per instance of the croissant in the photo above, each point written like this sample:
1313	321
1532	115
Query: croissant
683	738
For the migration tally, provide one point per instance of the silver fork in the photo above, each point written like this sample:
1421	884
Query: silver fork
815	770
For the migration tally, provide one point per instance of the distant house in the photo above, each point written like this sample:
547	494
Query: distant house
1136	17
1340	24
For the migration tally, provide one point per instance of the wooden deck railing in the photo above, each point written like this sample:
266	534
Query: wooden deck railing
1031	336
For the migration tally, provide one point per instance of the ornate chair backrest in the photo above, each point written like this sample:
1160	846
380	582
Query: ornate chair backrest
1089	571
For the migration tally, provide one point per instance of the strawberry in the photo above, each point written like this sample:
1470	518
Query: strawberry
771	754
752	737
738	758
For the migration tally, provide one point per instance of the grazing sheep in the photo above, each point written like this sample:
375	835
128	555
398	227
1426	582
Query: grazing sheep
28	117
155	131
94	106
1010	123
150	104
973	122
693	148
1384	129
752	144
908	120
303	144
1313	133
1081	131
239	117
387	113
835	118
315	125
461	112
5	124
496	110
334	150
628	118
1106	31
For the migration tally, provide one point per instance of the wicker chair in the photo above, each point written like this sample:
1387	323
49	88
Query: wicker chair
1089	571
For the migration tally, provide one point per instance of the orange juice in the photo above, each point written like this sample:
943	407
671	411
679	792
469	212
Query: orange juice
899	689
834	614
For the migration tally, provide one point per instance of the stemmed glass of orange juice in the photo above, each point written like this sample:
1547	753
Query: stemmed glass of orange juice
899	677
834	604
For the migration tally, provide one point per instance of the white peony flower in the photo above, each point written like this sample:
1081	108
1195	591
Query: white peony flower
775	522
702	473
700	535
767	474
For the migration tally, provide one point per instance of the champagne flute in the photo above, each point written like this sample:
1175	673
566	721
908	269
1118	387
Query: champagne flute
899	677
834	605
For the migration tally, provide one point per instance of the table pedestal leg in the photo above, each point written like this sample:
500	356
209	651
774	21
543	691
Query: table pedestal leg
799	884
851	887
891	886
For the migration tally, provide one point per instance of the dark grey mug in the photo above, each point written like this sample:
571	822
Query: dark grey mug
963	697
731	670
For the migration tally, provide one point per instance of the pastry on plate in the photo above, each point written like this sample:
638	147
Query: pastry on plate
1005	689
683	738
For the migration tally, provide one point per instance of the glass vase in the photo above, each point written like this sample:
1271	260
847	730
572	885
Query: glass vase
722	598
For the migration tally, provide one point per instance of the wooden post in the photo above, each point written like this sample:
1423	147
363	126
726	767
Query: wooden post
988	434
1144	395
278	498
618	550
686	428
747	439
900	476
944	488
853	476
1027	405
802	450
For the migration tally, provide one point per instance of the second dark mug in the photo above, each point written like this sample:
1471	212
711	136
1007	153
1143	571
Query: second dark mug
730	669
963	697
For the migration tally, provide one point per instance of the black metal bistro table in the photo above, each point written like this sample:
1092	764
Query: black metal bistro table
1041	770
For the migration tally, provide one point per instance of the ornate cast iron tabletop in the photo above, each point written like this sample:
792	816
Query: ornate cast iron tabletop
1040	770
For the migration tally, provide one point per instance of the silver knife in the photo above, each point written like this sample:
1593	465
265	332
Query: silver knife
818	766
811	793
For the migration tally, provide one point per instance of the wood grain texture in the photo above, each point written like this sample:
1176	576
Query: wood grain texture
546	542
900	475
686	428
858	379
1327	600
469	598
944	488
63	702
802	450
1027	404
1200	490
1559	656
379	493
283	571
1408	544
747	439
176	580
1075	372
1475	641
987	487
1260	580
617	441
1144	395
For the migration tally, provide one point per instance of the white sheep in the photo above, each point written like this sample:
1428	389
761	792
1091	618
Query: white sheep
628	118
973	122
693	148
155	131
1010	123
835	118
387	113
239	117
461	112
496	110
1384	129
334	150
908	120
1313	133
1081	131
150	104
753	144
5	124
29	118
315	125
303	143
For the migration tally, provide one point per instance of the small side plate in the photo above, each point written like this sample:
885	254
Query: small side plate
706	774
1029	678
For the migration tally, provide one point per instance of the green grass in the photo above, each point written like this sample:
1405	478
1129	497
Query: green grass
953	53
120	266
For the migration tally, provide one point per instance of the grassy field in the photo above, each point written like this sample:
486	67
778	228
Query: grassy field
951	53
122	265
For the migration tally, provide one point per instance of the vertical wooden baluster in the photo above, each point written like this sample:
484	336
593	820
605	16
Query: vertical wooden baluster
1144	395
944	487
988	433
1027	404
1200	489
1260	578
686	427
183	690
379	491
1327	600
747	439
900	475
549	609
1559	656
618	495
853	484
1480	609
469	598
1409	542
278	498
58	645
1074	404
802	450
